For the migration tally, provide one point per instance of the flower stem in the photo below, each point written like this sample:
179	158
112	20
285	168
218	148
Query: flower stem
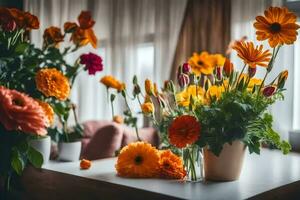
237	80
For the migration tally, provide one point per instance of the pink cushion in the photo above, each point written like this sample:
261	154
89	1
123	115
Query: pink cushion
103	138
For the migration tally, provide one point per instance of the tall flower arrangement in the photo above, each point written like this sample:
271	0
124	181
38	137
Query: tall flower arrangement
214	104
43	72
35	83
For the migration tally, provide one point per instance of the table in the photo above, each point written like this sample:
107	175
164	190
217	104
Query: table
268	176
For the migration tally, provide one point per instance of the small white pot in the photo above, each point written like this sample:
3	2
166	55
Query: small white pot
69	151
42	145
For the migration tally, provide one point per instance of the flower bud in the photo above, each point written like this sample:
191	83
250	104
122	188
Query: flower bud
183	80
251	71
228	67
147	108
149	88
282	79
269	90
118	119
219	73
136	90
186	68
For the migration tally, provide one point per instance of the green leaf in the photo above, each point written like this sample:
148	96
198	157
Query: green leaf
35	157
21	48
17	162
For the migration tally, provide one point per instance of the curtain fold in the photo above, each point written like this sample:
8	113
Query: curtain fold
123	28
206	27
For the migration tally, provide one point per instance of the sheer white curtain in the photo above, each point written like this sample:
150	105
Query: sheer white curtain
242	18
135	37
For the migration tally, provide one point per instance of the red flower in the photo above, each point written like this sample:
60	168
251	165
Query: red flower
184	130
92	62
269	90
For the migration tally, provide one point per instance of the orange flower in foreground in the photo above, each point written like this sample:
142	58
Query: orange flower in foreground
184	130
48	110
21	112
278	26
52	82
111	82
138	160
85	20
252	55
85	164
171	166
53	35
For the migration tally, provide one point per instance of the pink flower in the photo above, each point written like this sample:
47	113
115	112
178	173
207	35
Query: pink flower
92	62
21	112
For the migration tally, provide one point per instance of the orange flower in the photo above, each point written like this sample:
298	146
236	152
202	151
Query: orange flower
147	108
21	112
111	82
31	21
218	59
252	55
184	130
70	27
228	67
171	166
201	63
149	87
52	82
48	110
52	35
278	26
138	160
118	119
85	164
85	20
82	37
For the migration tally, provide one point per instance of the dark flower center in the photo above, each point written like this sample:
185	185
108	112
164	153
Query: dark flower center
275	27
200	63
138	160
18	102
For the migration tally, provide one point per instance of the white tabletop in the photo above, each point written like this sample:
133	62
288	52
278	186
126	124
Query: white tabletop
261	173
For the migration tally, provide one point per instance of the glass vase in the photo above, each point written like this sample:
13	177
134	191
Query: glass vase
193	162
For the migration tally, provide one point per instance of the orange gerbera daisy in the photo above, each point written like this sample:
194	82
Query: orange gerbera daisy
278	26
171	166
52	82
48	110
201	63
252	55
138	160
184	130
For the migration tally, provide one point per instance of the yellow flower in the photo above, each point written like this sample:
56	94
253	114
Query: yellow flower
197	93
218	59
147	108
252	83
138	160
149	87
52	82
111	82
215	92
201	63
48	110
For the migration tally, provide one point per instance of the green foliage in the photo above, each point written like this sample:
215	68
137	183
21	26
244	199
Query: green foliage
238	116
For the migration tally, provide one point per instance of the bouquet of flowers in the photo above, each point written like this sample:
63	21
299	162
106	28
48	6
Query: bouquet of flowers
42	74
216	105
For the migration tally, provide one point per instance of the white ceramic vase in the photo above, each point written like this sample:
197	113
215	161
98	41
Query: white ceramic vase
69	151
42	145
